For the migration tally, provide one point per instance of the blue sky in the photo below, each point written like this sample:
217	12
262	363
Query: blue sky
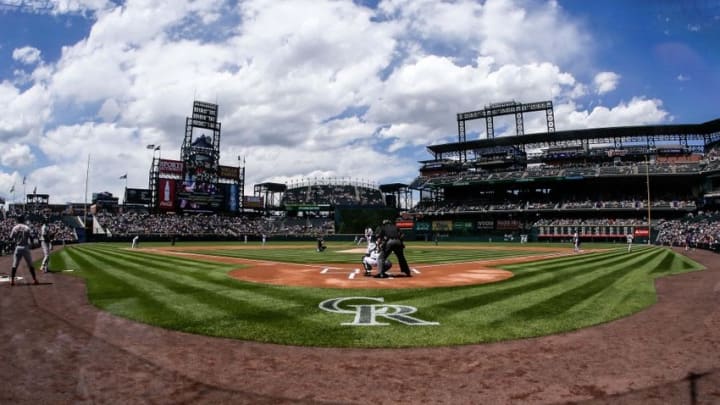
327	89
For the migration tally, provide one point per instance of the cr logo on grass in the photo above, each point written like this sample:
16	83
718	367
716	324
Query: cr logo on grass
367	314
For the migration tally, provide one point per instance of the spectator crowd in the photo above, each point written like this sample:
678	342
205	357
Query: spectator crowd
61	232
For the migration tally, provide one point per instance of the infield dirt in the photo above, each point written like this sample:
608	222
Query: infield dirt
350	276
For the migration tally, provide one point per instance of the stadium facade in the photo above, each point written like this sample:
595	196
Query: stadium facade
602	183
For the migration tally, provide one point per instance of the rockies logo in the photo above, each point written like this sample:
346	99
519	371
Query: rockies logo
367	314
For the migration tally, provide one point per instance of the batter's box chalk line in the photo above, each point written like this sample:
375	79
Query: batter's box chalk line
327	269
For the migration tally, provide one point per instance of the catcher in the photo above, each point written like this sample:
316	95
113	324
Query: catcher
370	259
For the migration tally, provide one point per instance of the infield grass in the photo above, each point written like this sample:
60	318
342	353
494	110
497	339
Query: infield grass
543	297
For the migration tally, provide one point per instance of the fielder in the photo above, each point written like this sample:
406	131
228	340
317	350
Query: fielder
46	244
21	235
370	259
576	242
629	238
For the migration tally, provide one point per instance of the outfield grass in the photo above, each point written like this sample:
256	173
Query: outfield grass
543	297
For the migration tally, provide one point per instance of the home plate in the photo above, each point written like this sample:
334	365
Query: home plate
6	279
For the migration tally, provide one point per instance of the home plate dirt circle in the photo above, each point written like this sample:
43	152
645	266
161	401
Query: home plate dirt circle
352	275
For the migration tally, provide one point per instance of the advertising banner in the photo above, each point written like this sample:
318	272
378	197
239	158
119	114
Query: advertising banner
462	226
508	224
485	224
170	167
232	201
407	224
250	201
422	226
137	196
643	232
442	226
229	172
166	194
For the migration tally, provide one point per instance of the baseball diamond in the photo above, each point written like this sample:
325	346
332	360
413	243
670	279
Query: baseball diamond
563	266
635	358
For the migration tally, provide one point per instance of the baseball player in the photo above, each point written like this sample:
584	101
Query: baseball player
629	238
135	241
320	244
576	242
370	259
21	235
46	244
368	236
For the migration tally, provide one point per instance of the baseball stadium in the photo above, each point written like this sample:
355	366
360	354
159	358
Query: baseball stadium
572	266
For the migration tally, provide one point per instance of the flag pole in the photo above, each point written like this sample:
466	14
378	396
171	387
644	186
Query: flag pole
87	174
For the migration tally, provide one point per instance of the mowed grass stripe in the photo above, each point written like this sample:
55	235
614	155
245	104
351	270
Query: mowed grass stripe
183	300
537	276
508	316
254	297
529	285
241	310
198	302
547	296
571	295
207	276
122	297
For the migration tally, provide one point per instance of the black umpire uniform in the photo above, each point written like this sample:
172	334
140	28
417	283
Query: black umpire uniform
390	239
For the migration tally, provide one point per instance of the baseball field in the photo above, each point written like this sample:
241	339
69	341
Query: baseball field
284	324
287	293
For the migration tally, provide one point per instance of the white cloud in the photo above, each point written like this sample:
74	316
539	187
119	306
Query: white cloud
606	82
638	111
56	7
420	101
27	55
24	113
305	88
113	151
16	155
682	78
509	31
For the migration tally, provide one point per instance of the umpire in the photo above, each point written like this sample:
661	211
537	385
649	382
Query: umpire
390	240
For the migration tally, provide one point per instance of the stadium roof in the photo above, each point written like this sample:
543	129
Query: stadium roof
708	132
273	187
392	187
